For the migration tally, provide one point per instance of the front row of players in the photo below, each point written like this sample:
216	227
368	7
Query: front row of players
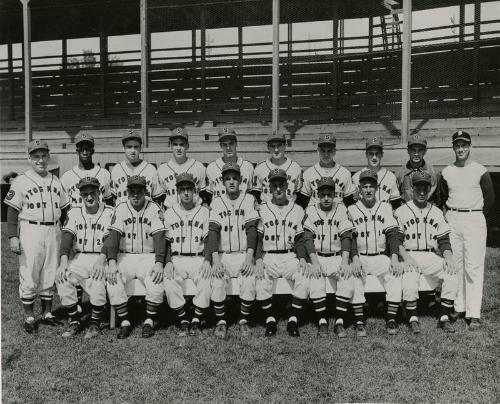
326	243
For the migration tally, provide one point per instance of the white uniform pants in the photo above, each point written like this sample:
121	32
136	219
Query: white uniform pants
331	266
468	243
232	263
39	259
79	269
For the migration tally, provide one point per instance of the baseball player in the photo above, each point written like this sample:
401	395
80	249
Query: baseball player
35	202
187	230
180	163
133	165
276	145
281	235
326	167
328	236
376	230
228	143
136	248
466	191
387	189
84	232
425	231
232	239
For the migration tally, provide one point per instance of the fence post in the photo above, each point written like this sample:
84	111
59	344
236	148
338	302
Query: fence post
406	72
276	67
145	52
28	100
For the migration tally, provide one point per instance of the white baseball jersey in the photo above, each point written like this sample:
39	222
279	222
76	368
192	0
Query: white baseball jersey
340	174
231	216
327	227
123	170
387	185
71	178
371	224
214	176
187	229
137	227
261	182
280	225
421	227
37	198
168	171
89	229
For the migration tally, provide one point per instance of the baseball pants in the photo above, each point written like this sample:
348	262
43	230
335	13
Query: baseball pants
468	243
378	265
432	269
343	287
132	266
39	259
79	270
206	289
232	263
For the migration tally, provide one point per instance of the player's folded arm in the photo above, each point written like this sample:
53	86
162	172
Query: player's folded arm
251	233
206	196
300	247
354	246
443	242
345	240
159	246
67	238
213	237
302	199
349	199
393	239
396	202
112	244
258	248
12	221
257	194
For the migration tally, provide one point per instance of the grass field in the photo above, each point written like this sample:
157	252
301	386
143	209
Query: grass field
432	367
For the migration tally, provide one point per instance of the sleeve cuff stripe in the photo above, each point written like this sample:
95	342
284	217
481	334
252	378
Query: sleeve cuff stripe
115	229
12	205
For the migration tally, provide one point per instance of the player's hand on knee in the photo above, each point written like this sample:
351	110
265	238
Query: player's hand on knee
247	266
410	265
206	270
168	272
271	272
99	268
15	245
111	272
449	266
259	269
157	273
303	268
396	267
316	272
345	270
62	274
357	267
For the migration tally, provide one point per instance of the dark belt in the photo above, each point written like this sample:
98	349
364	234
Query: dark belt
278	251
464	210
373	254
423	249
187	254
329	254
42	223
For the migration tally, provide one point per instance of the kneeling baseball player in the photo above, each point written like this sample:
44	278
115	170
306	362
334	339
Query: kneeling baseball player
425	231
232	239
84	232
328	236
136	248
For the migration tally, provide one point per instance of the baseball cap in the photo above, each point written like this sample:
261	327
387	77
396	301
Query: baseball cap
230	167
136	181
326	182
88	182
226	133
179	133
460	135
417	140
277	173
131	134
37	144
327	139
184	178
421	177
276	136
374	142
84	137
368	175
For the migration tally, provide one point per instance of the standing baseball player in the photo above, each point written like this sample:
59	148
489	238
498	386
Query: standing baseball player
387	189
35	202
376	230
180	163
84	232
133	165
232	239
187	258
276	145
228	143
328	236
281	235
466	191
326	167
136	248
424	232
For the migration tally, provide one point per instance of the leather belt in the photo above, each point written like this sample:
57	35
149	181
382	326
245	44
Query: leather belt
373	254
187	254
278	251
329	254
42	223
423	249
464	210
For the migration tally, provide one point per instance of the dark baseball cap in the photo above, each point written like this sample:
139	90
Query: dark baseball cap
230	167
374	142
181	133
184	178
131	134
37	144
326	182
327	139
277	173
88	182
226	133
460	135
136	181
417	140
84	137
276	137
421	177
368	175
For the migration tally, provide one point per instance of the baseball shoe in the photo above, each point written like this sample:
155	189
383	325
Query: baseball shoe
391	327
446	326
30	326
125	331
271	329
50	319
221	330
323	330
183	329
147	330
245	330
339	330
92	332
293	329
73	329
195	329
361	330
474	324
454	316
415	327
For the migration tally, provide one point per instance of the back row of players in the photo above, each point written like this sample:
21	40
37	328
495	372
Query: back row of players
238	238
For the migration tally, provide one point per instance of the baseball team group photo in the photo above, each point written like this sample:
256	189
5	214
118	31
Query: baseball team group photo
343	248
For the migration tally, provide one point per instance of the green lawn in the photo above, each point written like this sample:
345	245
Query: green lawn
432	367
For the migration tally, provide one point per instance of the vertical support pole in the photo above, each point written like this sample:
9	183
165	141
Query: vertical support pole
370	34
240	65
477	37
193	45
145	52
103	57
276	67
10	67
64	54
406	73
289	63
335	53
28	130
203	44
461	27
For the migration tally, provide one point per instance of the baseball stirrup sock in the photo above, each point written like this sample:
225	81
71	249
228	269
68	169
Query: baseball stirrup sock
319	306
446	307
79	295
220	312
46	301
96	316
28	302
411	309
297	306
341	307
122	311
358	311
198	314
392	310
152	309
267	308
181	315
245	311
73	313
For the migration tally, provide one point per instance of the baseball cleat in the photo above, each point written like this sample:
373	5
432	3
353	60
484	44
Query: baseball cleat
221	330
73	329
30	327
474	324
245	330
124	332
271	329
361	330
183	330
92	332
415	327
323	330
391	327
50	319
147	330
293	329
454	316
195	329
339	330
446	326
